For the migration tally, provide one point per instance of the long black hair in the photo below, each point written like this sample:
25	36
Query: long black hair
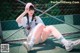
31	8
33	17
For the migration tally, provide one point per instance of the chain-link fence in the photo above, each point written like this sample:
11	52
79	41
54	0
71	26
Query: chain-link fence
9	10
11	31
65	17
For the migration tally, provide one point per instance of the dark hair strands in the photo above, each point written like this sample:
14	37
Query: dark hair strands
33	17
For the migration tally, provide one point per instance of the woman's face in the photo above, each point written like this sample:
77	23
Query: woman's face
31	12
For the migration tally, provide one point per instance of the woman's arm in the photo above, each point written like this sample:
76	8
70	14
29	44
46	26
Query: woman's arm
18	20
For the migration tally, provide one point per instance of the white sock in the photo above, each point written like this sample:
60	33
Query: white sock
63	40
31	43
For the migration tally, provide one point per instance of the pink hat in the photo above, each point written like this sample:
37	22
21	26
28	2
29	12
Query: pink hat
28	5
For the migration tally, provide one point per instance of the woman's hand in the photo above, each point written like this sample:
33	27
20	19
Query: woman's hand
26	10
18	20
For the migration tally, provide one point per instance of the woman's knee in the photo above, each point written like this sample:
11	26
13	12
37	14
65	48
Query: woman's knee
40	25
51	28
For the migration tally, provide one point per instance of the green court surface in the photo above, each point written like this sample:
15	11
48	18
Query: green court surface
51	45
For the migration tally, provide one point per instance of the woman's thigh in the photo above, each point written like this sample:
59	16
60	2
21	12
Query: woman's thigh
36	32
45	34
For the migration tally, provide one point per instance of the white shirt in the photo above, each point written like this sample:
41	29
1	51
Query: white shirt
24	22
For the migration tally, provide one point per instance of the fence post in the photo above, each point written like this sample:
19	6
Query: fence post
1	35
68	19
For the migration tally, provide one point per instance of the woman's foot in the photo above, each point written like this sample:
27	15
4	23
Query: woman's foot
27	46
71	44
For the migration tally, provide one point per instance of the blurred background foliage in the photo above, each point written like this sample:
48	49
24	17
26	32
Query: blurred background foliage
10	9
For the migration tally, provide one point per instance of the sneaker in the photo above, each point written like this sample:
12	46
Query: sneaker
27	46
71	44
77	42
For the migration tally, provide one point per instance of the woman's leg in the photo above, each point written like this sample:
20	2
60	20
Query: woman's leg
35	34
43	32
57	34
68	44
52	30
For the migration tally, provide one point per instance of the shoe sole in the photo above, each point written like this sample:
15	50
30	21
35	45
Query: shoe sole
76	42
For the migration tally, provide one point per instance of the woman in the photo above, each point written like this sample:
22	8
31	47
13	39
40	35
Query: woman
38	31
28	19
